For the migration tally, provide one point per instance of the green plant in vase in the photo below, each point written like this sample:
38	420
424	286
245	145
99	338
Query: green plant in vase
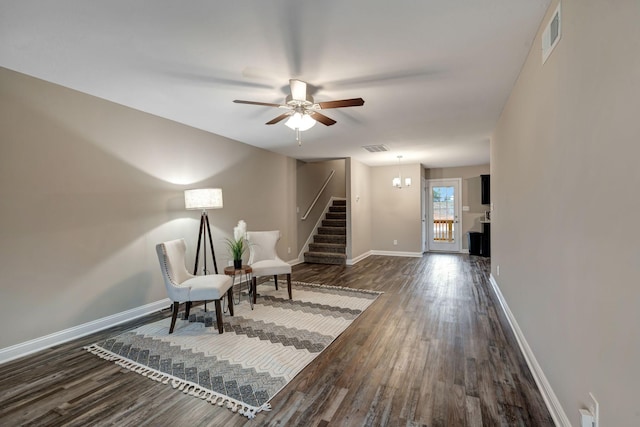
237	246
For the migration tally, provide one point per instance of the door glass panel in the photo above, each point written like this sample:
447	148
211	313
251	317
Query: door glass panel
443	213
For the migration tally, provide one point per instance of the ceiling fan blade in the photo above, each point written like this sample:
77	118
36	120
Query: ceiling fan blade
355	102
298	90
266	104
322	119
278	119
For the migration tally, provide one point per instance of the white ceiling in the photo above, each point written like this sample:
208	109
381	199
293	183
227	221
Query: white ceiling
434	74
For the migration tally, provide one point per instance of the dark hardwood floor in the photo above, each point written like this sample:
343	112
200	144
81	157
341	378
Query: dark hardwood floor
432	350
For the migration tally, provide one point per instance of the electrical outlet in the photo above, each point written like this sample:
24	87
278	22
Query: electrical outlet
395	242
288	250
498	270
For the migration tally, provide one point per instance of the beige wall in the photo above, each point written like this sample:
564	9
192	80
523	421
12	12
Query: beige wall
311	176
89	187
564	173
470	194
359	213
396	212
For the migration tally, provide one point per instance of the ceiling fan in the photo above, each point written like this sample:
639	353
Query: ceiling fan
302	111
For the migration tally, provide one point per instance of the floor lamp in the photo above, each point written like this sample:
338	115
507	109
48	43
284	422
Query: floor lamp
204	198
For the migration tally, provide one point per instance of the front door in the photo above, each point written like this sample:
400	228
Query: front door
444	214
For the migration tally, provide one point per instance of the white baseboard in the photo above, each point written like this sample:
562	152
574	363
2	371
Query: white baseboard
398	253
19	350
550	398
354	261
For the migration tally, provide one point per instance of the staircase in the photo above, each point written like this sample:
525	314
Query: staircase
330	244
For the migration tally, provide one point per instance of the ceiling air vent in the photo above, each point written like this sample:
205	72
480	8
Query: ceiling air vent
375	148
551	35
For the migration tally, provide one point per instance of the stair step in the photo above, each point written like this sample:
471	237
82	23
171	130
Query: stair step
332	230
330	243
334	222
330	238
325	258
327	247
336	215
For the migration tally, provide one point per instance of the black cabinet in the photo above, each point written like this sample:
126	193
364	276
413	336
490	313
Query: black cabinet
485	182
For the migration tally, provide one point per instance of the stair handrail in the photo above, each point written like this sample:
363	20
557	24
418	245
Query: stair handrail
306	214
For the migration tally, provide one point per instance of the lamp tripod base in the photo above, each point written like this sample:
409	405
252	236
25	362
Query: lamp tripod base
205	230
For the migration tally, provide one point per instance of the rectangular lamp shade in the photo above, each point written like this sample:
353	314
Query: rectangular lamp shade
203	198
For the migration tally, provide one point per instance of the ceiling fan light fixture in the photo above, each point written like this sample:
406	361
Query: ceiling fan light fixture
300	121
302	111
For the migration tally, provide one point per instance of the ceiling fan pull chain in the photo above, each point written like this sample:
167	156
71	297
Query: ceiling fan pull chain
298	137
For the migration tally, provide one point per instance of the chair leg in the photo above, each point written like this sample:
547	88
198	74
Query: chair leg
174	316
275	279
289	285
187	309
230	300
219	316
254	286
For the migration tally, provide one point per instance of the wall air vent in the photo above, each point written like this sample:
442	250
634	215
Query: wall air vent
375	148
551	35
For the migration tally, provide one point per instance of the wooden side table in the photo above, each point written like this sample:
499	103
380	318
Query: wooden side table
245	270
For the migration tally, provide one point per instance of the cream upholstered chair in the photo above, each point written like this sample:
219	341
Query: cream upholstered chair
183	286
264	260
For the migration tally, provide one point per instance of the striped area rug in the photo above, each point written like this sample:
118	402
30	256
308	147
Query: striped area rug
260	351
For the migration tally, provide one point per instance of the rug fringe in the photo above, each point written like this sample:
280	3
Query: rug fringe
344	288
185	386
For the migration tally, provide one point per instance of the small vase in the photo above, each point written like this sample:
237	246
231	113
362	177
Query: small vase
237	264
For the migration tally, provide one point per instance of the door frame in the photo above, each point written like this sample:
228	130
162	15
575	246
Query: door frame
457	229
424	203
